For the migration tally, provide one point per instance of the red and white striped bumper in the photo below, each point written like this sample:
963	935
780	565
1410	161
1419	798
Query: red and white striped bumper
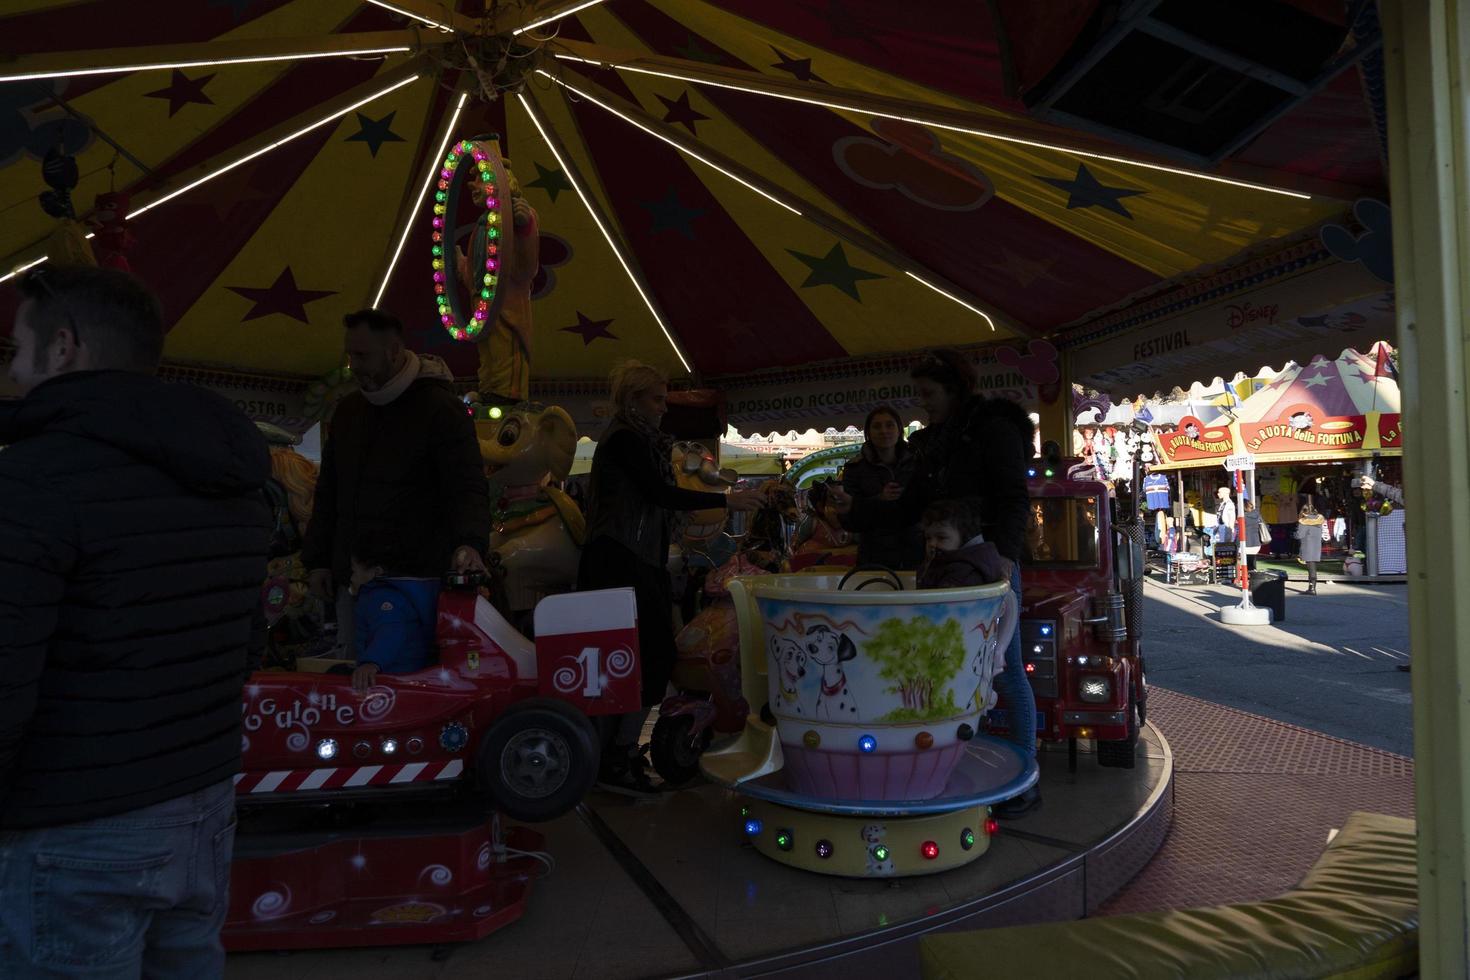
345	777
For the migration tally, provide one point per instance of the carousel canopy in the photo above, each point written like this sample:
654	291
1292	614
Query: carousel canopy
724	188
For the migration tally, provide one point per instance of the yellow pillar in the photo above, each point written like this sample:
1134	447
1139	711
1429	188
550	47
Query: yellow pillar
1427	51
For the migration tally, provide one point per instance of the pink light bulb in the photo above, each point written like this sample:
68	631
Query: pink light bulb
491	264
438	277
438	222
447	320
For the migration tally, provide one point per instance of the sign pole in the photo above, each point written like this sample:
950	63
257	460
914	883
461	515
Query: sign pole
1246	613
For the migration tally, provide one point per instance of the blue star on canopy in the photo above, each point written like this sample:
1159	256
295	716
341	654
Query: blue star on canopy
1086	191
375	132
670	214
550	180
833	269
801	68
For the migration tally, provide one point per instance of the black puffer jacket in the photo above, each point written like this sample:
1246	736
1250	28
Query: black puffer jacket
133	538
864	478
981	452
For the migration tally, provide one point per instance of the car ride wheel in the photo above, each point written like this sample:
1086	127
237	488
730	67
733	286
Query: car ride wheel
1122	753
538	760
674	751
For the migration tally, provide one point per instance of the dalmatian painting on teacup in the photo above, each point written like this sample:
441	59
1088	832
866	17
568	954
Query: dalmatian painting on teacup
788	667
829	650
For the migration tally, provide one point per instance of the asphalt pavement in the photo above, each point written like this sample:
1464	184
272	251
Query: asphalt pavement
1328	666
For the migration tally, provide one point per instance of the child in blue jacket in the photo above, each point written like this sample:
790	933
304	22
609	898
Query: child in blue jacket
395	616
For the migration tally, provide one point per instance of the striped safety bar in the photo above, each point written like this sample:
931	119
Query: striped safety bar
345	777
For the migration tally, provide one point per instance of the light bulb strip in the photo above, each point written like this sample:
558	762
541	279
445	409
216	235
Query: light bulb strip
655	133
412	214
22	268
835	226
951	296
338	114
156	63
574	179
412	16
556	16
952	127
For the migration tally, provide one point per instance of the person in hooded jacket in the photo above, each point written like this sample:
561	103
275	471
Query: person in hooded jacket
402	454
133	541
880	472
973	447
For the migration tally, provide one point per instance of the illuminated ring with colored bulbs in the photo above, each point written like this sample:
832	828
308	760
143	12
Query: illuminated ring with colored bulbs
488	298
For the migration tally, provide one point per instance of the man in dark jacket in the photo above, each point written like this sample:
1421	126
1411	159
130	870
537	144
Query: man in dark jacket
402	455
132	546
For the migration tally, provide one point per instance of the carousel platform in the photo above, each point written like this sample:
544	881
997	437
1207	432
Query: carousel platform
670	887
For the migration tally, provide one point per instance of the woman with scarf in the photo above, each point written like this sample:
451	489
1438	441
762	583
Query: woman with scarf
976	448
630	505
881	472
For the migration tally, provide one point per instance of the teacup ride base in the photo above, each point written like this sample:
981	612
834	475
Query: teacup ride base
905	797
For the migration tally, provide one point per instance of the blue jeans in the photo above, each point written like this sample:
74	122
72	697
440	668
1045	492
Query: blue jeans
142	893
1020	700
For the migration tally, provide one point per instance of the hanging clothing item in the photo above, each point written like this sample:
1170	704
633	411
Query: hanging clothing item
1156	491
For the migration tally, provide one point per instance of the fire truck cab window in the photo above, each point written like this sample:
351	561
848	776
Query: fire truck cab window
1062	532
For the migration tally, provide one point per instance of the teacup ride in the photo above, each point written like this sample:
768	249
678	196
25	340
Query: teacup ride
867	760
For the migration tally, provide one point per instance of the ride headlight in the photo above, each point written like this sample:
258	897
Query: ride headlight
1095	689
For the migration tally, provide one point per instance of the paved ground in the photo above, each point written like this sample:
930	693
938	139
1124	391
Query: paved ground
1254	802
1329	666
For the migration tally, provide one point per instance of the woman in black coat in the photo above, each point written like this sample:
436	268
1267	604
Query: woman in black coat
630	503
881	472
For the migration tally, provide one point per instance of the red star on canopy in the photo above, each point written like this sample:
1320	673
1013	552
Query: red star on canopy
590	330
680	111
182	90
282	296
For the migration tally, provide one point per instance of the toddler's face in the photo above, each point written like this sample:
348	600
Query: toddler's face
941	537
363	574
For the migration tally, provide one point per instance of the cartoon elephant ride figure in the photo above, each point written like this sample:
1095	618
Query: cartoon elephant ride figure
707	669
538	531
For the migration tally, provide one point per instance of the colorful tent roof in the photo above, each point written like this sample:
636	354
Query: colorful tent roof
1329	408
723	187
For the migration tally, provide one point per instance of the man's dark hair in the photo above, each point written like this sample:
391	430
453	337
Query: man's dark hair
112	313
381	547
963	514
378	321
950	368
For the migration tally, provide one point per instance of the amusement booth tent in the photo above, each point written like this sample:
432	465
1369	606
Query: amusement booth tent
1312	430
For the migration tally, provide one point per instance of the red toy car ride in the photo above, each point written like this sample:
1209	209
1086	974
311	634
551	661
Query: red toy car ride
497	712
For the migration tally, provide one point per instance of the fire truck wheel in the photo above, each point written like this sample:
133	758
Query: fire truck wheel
674	752
538	760
1122	753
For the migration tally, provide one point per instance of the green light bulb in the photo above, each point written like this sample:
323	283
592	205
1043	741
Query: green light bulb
437	250
880	852
441	196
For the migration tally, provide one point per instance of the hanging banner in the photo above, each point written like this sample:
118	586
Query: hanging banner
1296	430
1288	307
843	394
1193	441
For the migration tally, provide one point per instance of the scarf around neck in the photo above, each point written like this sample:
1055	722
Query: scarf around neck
660	444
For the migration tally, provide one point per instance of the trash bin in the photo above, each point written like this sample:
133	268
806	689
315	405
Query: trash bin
1268	591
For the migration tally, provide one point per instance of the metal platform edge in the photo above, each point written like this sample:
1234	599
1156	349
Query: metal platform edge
1072	888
